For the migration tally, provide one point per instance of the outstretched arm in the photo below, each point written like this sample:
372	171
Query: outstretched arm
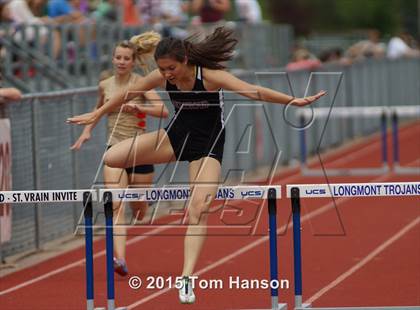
152	80
155	107
225	80
86	133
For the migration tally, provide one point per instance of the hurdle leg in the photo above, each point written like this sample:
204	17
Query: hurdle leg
88	215
395	144
384	141
109	250
272	213
297	253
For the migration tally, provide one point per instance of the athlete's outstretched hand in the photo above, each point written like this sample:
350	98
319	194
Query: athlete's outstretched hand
132	108
300	102
85	136
84	119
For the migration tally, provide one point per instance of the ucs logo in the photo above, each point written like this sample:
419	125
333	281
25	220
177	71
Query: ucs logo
130	196
254	194
315	191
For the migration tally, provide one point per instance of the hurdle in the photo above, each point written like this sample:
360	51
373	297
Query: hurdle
396	114
339	190
384	112
179	193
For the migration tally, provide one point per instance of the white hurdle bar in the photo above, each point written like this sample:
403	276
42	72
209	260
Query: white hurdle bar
170	193
355	190
384	112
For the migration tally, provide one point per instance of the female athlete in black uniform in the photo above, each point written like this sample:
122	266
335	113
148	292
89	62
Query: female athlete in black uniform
193	75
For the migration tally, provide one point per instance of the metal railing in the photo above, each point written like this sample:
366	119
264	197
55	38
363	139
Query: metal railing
86	51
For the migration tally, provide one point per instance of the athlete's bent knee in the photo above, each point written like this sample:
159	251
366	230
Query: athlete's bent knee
111	159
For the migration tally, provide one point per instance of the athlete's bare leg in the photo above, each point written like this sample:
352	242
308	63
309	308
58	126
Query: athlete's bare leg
204	179
117	178
140	180
148	148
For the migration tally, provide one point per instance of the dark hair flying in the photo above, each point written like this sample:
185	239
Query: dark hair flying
208	53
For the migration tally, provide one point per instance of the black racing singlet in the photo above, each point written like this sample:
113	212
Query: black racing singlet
197	128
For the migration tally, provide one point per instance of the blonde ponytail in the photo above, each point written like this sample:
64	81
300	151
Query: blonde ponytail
145	47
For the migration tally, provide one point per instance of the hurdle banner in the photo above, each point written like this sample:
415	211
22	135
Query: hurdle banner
297	191
88	196
169	193
45	196
269	193
384	112
180	193
356	189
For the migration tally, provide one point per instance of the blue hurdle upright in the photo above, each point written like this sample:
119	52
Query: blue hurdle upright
272	215
88	215
295	192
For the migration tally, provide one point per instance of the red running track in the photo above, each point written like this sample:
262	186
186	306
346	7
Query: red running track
356	252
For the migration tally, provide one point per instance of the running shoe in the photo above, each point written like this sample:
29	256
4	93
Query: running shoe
186	293
120	267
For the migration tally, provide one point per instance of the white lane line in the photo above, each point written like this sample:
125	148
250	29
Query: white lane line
72	265
129	242
137	239
364	261
256	243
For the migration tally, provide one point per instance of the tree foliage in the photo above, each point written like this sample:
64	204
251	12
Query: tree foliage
388	16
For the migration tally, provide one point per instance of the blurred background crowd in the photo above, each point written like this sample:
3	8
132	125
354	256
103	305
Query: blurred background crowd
320	31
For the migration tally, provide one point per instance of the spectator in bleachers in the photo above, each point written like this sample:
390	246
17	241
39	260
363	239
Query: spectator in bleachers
370	48
334	56
150	11
399	46
210	11
9	93
331	55
173	11
211	14
249	11
65	11
68	12
20	14
302	59
172	16
106	10
4	14
131	16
